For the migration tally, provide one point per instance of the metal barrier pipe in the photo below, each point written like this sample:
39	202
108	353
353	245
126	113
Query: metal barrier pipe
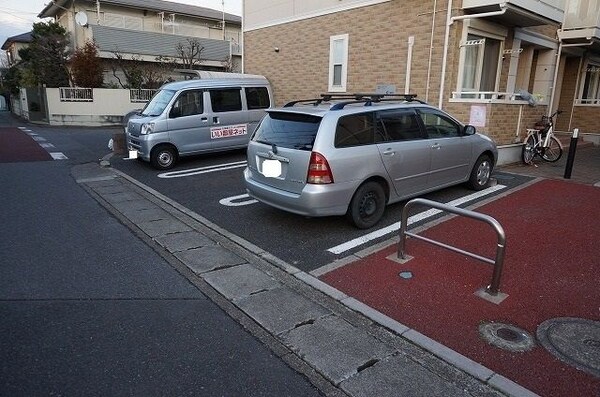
498	262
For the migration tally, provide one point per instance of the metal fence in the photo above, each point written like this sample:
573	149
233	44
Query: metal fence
68	94
141	95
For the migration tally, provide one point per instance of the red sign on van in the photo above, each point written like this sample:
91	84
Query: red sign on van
228	131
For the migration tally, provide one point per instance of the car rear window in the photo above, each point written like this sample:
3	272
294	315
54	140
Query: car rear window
289	130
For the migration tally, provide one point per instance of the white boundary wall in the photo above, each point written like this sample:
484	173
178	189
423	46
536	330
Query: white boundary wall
107	108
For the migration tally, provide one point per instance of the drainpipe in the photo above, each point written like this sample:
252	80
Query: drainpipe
411	43
502	10
449	21
445	56
430	50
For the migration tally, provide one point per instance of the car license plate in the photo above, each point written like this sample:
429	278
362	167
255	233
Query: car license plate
271	168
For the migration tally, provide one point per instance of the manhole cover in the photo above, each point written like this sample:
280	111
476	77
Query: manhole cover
576	341
506	336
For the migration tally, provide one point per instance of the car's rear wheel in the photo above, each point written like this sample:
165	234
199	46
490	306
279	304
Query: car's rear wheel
481	173
367	205
163	157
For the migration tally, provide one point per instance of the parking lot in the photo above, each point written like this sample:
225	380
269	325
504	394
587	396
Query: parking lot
212	186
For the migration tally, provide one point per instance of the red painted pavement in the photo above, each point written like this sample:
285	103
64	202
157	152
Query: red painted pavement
17	146
551	269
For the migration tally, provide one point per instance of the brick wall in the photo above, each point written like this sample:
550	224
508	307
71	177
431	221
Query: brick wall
502	120
378	45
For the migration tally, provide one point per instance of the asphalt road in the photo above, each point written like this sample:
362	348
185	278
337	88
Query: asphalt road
212	186
88	308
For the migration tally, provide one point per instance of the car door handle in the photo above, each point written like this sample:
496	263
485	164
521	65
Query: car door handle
389	152
204	119
436	146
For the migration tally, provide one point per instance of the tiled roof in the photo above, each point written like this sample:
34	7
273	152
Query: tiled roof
20	38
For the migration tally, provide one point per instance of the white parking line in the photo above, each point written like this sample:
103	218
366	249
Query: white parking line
338	249
202	170
237	201
58	156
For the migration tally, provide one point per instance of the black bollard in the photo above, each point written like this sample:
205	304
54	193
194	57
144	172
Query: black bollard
571	156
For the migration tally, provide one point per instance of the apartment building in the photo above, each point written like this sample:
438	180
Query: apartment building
147	29
499	65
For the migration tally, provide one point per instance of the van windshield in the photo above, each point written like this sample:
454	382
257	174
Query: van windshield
158	103
289	130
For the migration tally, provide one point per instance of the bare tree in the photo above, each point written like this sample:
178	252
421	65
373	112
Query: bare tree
131	68
189	53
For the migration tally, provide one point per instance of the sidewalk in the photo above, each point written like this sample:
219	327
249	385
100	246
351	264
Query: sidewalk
336	341
586	167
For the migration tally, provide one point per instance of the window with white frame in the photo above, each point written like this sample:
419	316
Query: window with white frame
480	67
338	63
590	93
480	59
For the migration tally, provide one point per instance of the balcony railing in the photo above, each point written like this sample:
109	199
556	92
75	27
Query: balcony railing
492	97
591	102
582	21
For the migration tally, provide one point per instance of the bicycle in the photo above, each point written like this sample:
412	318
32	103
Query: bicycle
542	142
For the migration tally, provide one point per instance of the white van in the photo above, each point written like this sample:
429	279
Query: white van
197	116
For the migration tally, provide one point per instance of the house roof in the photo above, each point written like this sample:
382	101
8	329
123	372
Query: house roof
20	38
53	7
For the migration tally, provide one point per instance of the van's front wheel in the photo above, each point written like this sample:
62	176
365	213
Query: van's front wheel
163	157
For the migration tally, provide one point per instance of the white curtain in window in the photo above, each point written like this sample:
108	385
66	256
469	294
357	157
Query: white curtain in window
469	82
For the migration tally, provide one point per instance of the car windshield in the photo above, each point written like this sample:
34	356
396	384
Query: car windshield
289	130
158	103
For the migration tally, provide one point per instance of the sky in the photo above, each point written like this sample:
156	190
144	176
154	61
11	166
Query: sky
16	17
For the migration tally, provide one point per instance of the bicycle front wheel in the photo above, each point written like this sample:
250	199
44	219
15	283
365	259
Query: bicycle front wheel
529	149
553	152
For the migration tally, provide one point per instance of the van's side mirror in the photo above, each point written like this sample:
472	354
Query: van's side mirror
175	112
469	130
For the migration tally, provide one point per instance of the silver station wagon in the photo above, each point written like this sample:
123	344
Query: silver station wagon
354	154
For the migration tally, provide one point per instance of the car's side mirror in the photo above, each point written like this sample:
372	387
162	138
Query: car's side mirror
469	130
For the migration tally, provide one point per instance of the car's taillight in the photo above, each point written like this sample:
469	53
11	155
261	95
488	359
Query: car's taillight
319	172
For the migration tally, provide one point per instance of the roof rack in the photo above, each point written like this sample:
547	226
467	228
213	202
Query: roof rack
366	98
